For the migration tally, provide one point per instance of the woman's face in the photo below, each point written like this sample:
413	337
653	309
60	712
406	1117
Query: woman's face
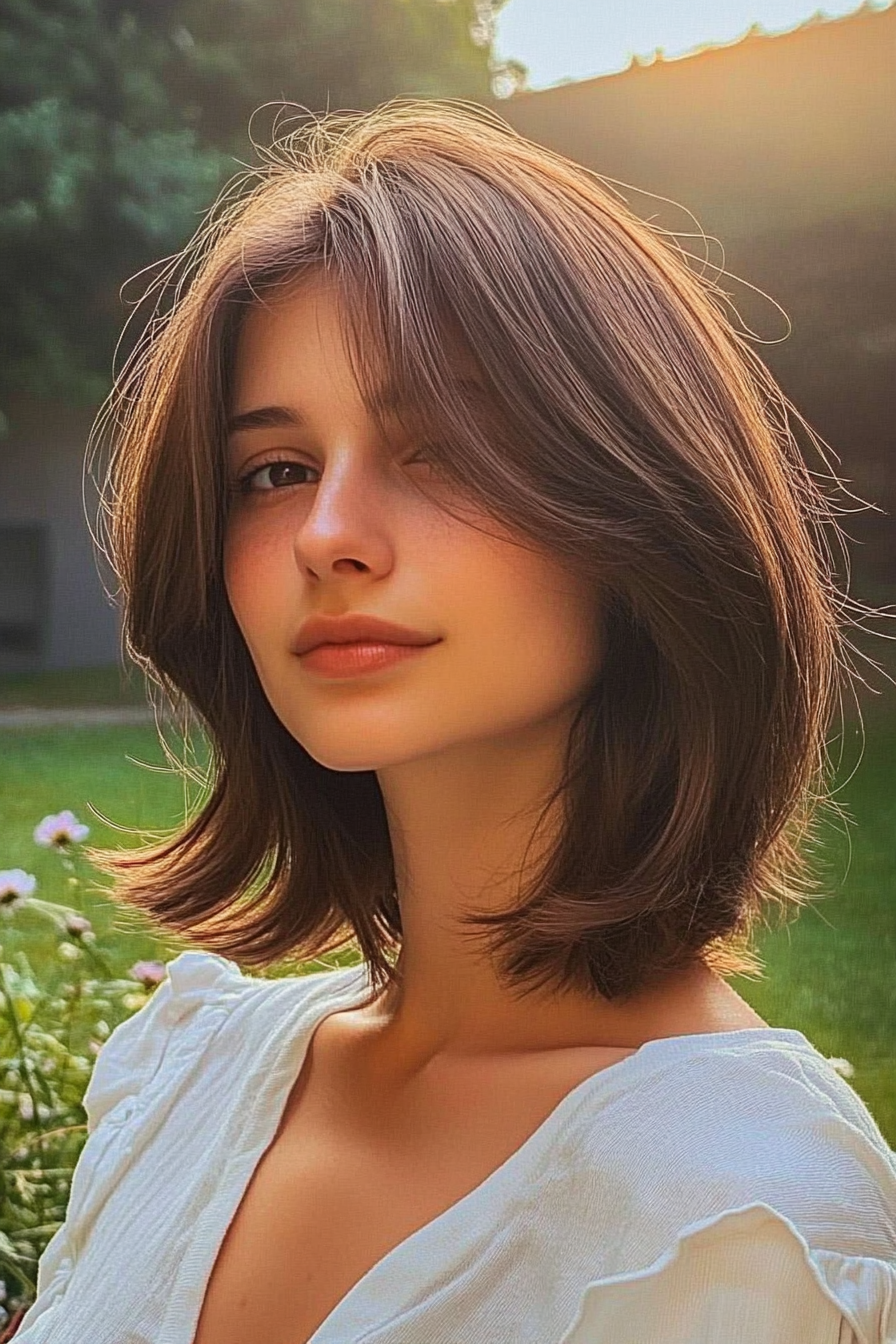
337	526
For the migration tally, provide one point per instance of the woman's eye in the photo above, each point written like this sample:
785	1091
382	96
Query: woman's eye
244	484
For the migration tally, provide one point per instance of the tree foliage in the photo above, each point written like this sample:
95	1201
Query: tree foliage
121	119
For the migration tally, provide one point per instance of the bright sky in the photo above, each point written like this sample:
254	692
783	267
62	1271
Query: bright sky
577	39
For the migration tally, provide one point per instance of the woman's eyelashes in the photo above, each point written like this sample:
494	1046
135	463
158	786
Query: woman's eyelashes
243	484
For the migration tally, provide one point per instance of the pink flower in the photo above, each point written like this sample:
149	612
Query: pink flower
60	830
80	928
148	972
15	887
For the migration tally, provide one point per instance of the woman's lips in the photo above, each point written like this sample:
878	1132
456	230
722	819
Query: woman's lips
352	660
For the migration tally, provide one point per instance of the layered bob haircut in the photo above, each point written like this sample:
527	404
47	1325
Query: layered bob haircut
628	428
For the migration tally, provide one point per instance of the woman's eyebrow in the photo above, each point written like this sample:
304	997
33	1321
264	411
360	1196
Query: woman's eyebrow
264	417
386	399
283	417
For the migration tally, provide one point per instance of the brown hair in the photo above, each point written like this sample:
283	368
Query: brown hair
629	429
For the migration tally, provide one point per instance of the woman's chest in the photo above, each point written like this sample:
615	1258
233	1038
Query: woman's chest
308	1228
329	1199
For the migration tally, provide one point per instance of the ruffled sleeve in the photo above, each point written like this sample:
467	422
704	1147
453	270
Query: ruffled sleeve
131	1056
128	1061
746	1276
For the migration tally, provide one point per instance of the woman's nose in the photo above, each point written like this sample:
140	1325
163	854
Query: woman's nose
347	520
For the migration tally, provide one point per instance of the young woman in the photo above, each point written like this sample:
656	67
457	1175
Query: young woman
481	545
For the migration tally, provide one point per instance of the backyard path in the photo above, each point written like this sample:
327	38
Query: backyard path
76	717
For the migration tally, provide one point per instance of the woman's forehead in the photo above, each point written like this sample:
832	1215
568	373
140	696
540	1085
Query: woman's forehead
305	322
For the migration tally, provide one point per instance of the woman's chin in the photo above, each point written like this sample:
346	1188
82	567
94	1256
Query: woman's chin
351	756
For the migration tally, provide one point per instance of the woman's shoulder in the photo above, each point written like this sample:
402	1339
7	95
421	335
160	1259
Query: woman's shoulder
738	1159
134	1050
760	1113
199	993
771	1073
149	1074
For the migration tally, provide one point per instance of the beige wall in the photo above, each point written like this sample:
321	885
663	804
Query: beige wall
41	466
770	133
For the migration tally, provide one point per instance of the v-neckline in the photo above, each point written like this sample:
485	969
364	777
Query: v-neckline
378	1297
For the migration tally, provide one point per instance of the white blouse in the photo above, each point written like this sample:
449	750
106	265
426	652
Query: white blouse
722	1188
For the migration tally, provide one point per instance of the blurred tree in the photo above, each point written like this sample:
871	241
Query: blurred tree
121	119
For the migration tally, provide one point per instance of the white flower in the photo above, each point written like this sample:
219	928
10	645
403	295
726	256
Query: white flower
68	951
842	1066
26	1108
15	887
59	830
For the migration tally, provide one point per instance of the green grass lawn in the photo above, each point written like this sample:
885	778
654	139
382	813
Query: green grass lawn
831	973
